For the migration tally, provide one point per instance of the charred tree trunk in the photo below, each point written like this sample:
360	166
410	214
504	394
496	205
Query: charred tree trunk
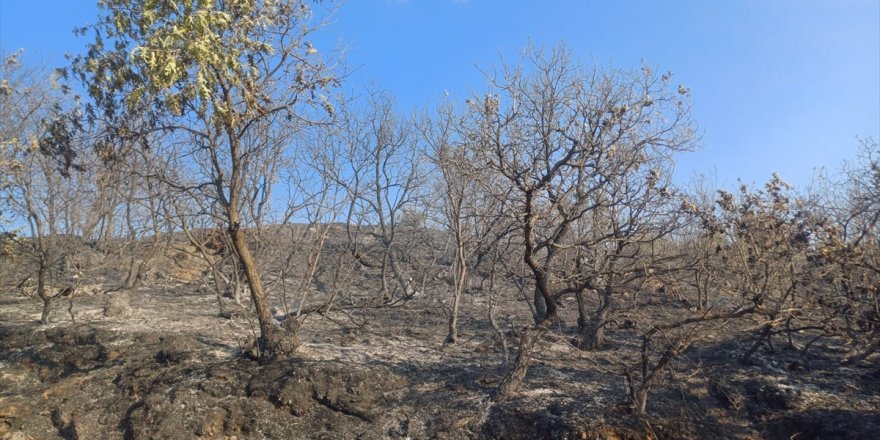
134	268
540	310
492	320
514	379
452	333
42	260
236	288
591	330
134	273
43	293
272	341
386	296
405	283
517	374
702	280
70	309
47	307
764	335
460	277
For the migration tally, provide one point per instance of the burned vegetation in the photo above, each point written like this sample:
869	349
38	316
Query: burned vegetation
214	247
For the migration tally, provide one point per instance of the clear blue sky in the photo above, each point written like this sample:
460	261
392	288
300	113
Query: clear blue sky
778	85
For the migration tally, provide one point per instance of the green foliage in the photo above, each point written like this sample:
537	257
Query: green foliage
229	61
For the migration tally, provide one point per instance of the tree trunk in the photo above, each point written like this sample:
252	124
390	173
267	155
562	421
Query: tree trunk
460	271
235	288
583	319
405	283
272	342
591	331
545	306
511	383
133	273
491	300
42	293
43	261
494	323
591	336
517	374
765	334
540	312
452	334
385	295
702	284
514	379
44	317
640	400
70	309
47	305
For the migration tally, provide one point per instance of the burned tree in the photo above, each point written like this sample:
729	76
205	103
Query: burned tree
40	190
458	201
376	162
572	145
845	264
766	238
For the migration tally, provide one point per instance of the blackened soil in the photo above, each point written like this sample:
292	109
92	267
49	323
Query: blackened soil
176	369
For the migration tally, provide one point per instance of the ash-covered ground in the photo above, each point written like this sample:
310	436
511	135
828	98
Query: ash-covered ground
164	363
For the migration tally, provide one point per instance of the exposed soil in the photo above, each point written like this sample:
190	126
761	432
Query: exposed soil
173	367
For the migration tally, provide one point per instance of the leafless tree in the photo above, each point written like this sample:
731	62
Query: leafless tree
309	221
575	146
765	241
663	343
379	167
846	261
456	185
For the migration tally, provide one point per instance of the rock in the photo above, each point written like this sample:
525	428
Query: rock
118	307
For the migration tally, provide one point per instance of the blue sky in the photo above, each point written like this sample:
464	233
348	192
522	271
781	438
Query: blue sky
778	85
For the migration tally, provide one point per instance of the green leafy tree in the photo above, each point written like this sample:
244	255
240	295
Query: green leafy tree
224	82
